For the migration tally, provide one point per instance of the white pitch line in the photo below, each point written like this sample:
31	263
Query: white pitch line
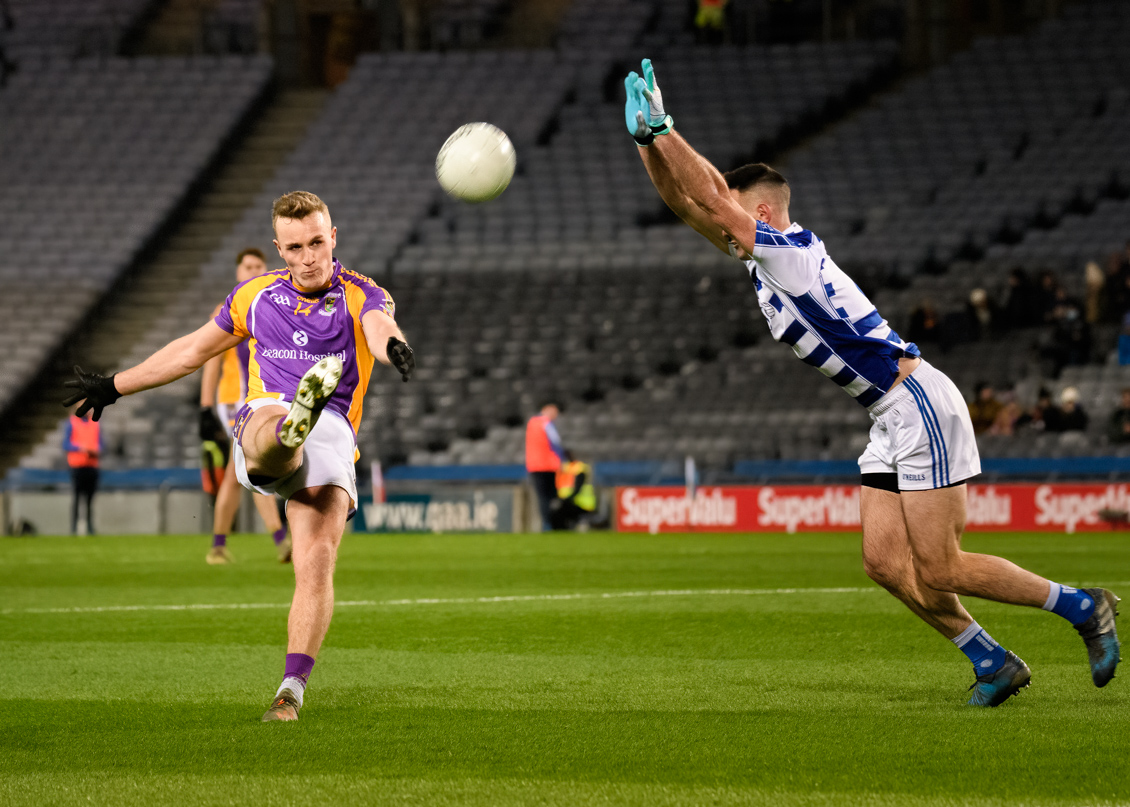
611	595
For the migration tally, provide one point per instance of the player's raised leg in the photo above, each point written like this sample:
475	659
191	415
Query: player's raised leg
273	435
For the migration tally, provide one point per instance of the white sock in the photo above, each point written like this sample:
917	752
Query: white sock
1054	591
296	686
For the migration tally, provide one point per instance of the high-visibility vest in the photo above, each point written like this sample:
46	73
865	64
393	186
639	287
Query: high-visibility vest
85	436
540	455
567	479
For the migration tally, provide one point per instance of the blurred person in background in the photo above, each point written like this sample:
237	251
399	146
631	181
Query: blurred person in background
925	325
1021	309
984	408
1118	427
577	495
1046	296
223	390
1034	418
1069	416
1070	342
984	321
544	457
82	440
1005	421
1095	301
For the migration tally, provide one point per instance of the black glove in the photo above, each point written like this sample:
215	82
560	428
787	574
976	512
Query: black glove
401	356
210	426
97	390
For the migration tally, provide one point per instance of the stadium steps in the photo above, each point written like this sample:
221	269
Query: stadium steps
114	330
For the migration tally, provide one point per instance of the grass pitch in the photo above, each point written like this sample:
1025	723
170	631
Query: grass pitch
462	670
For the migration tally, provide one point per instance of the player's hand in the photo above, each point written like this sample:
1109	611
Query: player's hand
644	114
658	119
210	425
401	356
636	109
94	390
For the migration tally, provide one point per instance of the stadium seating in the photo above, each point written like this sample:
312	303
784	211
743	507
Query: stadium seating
95	154
54	29
574	285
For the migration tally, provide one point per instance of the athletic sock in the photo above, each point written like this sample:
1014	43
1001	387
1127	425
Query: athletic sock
219	539
298	669
1070	603
981	649
279	535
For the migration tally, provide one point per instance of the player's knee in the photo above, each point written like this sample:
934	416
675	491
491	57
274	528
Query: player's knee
885	573
938	574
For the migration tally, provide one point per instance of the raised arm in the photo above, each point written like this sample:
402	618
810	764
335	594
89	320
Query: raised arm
672	194
686	181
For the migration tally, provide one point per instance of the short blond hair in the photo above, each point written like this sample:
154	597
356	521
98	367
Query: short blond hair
297	205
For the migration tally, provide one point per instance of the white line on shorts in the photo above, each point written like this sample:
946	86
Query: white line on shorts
610	595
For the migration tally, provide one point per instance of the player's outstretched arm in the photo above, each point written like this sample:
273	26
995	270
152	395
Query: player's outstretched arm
686	181
175	360
386	342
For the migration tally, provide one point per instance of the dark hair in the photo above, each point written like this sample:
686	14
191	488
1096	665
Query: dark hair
243	253
754	174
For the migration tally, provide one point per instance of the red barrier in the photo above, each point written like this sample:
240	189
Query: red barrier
829	508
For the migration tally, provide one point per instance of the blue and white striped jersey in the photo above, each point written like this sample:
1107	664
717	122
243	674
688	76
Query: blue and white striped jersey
816	309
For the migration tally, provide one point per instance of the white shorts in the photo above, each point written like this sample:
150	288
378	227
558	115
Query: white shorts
327	458
921	431
226	414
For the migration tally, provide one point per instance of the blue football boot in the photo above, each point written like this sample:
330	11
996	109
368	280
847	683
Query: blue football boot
1101	636
993	689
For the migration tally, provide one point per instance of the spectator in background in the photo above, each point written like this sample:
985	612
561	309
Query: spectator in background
82	440
982	314
984	408
1046	297
1071	337
1095	283
1118	429
1069	415
710	21
544	456
925	326
1117	291
1124	340
1020	308
1005	421
1035	418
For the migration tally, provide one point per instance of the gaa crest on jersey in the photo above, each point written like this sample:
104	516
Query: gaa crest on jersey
329	305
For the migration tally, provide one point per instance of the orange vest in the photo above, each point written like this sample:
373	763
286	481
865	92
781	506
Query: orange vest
84	435
539	454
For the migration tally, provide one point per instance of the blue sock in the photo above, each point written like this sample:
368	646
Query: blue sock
1070	603
981	649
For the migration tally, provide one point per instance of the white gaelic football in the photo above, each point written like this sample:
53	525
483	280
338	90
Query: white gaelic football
476	163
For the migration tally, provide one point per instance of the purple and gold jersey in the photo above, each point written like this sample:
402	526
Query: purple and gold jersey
288	331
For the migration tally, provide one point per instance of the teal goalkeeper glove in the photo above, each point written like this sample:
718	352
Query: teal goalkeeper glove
643	112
